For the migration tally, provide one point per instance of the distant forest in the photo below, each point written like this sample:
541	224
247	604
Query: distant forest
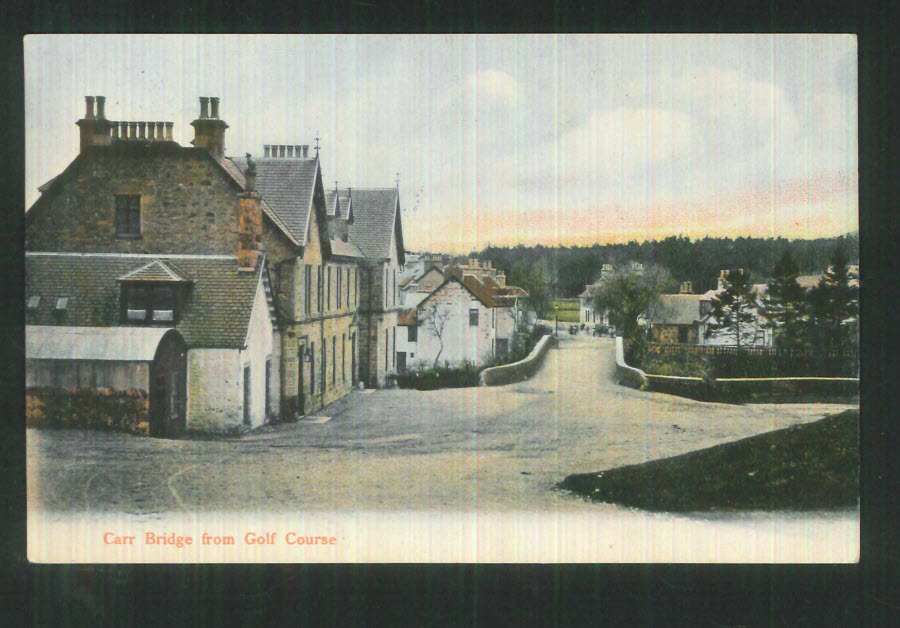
697	261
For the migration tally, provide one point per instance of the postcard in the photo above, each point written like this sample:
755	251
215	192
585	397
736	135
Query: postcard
468	298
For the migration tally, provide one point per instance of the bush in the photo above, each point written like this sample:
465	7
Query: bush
441	377
97	408
680	364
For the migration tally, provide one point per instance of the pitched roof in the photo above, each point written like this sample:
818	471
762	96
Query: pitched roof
287	185
376	220
216	312
678	309
408	317
333	204
157	270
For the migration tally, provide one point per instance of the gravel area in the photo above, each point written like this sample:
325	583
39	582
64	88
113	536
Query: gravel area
500	448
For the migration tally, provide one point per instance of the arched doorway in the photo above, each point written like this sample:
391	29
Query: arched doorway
168	376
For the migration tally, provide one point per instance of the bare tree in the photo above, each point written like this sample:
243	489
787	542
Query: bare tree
434	320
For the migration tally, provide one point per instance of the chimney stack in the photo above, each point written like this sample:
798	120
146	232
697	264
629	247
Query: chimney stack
209	132
249	222
95	129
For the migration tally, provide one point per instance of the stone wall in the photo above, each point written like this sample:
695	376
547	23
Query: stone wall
521	370
215	395
188	204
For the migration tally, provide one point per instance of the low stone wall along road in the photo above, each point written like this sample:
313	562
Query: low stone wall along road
487	448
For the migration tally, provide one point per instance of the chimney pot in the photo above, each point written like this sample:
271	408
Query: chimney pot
133	131
281	150
115	130
159	131
214	106
298	151
142	130
89	107
101	102
169	131
151	130
123	130
204	107
290	152
265	150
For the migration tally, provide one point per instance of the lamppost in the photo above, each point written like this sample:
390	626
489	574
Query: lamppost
556	313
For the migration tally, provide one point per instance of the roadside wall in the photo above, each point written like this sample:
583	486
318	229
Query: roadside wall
627	375
521	370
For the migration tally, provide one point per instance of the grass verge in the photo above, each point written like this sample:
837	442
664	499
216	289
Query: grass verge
804	467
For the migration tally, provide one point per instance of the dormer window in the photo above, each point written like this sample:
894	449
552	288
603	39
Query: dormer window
33	303
62	304
128	215
151	304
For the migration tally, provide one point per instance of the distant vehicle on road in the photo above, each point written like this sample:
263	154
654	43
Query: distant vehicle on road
601	330
573	329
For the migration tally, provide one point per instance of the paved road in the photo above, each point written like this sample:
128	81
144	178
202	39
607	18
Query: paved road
482	449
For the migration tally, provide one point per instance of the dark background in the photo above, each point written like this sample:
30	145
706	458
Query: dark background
452	595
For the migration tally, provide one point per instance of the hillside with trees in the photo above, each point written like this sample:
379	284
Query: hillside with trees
564	271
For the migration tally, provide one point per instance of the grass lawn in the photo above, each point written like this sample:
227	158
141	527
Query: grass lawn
569	311
805	467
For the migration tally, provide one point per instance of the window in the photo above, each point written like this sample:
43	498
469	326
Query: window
412	333
394	343
319	287
33	302
307	290
385	286
149	304
337	292
344	357
682	334
324	363
473	317
328	293
128	215
348	287
312	368
62	304
387	347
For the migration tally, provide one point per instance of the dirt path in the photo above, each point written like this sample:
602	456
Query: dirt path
482	449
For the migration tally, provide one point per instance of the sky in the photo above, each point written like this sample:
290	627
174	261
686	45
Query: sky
501	139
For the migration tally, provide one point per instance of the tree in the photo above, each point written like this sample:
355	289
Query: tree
434	320
628	295
834	307
733	309
784	304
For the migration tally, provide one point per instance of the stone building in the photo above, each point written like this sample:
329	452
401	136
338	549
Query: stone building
186	247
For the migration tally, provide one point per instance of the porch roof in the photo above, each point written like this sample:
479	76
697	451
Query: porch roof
125	344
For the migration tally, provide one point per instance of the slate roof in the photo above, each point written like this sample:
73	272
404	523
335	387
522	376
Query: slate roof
287	186
332	204
216	312
678	309
375	220
345	249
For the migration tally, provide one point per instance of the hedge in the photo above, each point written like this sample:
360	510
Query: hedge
125	410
